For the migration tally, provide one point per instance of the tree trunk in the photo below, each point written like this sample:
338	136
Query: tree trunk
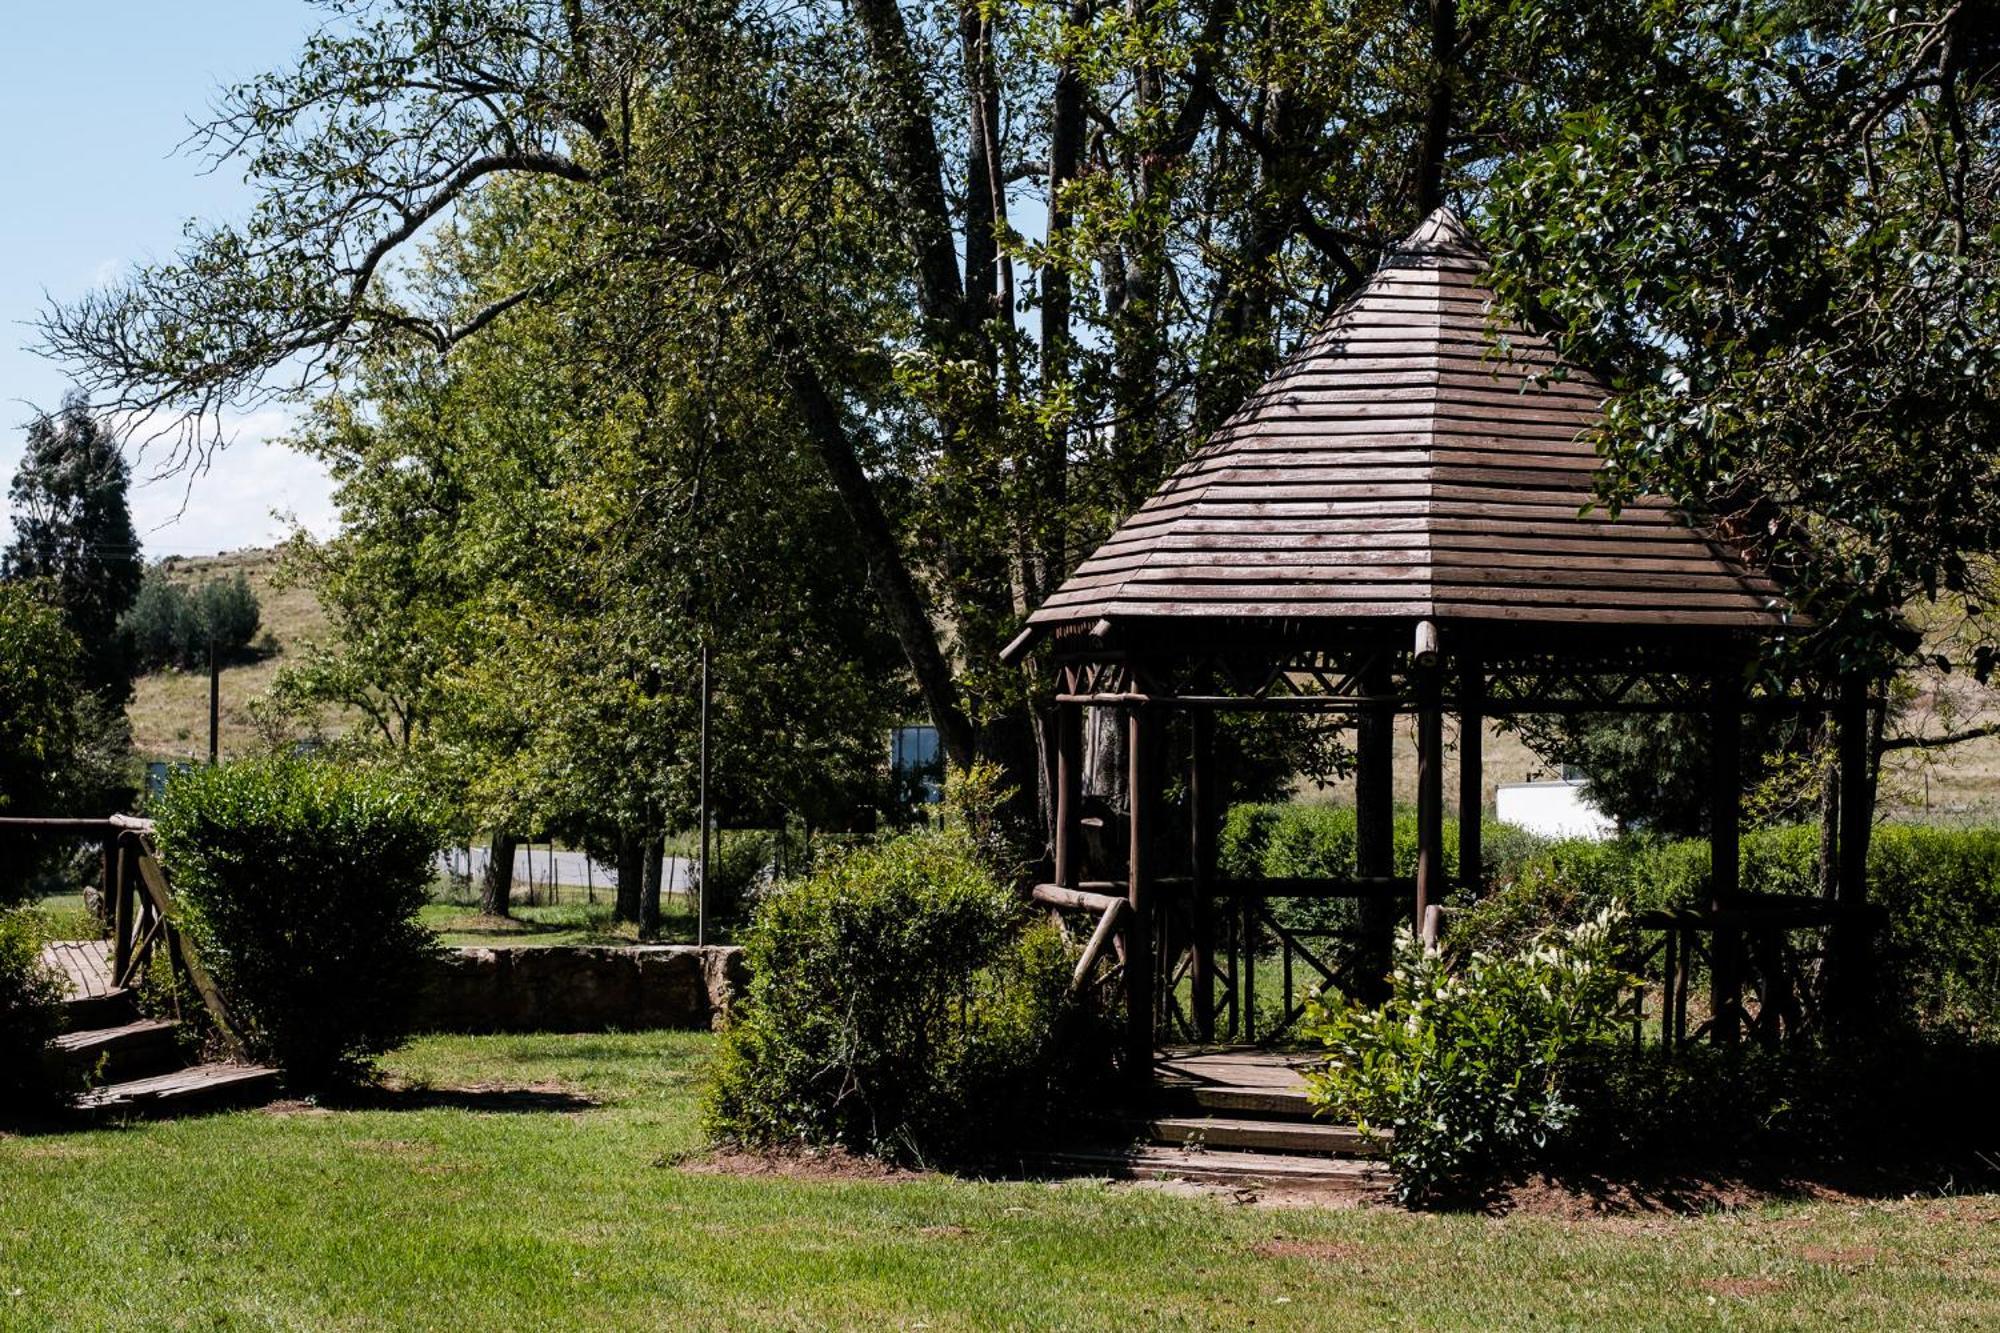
496	891
1438	113
631	875
649	893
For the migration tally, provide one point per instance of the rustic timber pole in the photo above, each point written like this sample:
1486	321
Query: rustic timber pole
1141	796
1069	788
701	888
1850	983
1430	773
1375	834
1724	855
1471	771
1202	795
214	705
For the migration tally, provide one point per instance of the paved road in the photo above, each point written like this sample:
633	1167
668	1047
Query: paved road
571	868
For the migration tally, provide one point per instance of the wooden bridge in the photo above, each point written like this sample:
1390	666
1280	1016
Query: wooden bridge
140	1060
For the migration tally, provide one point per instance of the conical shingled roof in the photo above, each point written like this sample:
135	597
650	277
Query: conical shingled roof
1414	459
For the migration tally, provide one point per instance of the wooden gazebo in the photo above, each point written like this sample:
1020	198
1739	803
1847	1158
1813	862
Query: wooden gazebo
1400	521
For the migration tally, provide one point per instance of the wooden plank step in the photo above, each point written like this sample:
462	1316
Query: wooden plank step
143	1046
1267	1103
1280	1136
198	1088
1152	1162
99	1011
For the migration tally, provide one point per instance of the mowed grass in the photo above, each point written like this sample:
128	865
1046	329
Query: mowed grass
554	1194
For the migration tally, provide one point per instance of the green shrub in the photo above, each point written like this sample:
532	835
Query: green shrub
1469	1067
899	1005
301	883
31	1079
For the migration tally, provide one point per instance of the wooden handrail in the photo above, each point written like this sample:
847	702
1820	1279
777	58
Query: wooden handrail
1055	895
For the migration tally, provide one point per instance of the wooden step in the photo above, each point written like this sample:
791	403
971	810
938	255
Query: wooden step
199	1088
1152	1162
110	1010
143	1046
1276	1136
1265	1103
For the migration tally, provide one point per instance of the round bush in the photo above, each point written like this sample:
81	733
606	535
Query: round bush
899	1005
300	883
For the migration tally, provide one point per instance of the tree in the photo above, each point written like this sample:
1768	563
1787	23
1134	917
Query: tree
72	528
852	184
41	719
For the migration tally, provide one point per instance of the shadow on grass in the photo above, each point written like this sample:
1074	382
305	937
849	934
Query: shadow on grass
487	1099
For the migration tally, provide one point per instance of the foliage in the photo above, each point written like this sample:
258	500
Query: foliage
302	882
42	722
173	625
1470	1066
31	1079
73	530
899	1005
1779	240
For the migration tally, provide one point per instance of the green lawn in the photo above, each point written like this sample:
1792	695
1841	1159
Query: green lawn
550	1195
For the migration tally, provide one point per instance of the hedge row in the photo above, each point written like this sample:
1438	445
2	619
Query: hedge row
1940	889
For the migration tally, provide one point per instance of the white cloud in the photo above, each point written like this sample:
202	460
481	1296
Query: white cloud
249	495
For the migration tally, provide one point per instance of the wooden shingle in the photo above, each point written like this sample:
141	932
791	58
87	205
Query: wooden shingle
1419	457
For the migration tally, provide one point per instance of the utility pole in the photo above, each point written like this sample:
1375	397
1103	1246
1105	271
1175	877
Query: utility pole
214	705
701	899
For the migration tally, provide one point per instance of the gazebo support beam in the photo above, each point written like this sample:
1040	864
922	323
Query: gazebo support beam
1375	839
1725	849
1202	793
1142	795
1430	794
1069	787
1471	770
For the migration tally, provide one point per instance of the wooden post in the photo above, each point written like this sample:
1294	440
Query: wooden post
119	894
1141	796
1471	772
1201	829
1430	793
1375	835
214	705
1850	983
701	899
1724	842
1069	789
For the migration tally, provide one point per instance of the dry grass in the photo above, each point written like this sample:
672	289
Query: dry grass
169	709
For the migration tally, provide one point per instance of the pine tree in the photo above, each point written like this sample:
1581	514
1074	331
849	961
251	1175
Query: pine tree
73	530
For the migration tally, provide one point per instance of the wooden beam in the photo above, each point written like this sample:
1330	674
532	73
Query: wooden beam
1202	810
1725	870
1430	797
1106	926
1471	771
1850	951
1055	895
1069	788
1142	796
1375	838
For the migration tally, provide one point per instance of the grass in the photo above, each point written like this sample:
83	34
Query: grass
566	1207
569	916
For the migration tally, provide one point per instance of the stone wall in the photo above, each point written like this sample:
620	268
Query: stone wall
581	989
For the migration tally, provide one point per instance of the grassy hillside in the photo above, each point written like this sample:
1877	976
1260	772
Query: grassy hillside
170	714
169	709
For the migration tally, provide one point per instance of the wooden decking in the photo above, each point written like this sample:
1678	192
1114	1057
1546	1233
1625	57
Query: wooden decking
85	965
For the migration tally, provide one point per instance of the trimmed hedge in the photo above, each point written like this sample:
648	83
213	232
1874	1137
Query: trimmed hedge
901	1004
301	882
1939	888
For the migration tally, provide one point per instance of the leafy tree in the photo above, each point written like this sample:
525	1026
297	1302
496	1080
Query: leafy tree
173	625
41	722
72	528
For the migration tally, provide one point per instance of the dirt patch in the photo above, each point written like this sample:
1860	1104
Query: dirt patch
1321	1251
1598	1197
804	1164
1849	1258
1744	1286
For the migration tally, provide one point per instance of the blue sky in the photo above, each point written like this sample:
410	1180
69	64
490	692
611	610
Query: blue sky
96	95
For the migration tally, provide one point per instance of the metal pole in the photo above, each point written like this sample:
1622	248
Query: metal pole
701	899
214	705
